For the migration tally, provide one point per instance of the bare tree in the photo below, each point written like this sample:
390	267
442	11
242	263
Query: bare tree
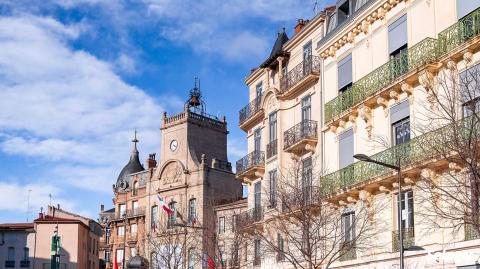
448	144
171	244
306	229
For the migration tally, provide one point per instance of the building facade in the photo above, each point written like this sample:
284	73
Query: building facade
17	241
362	77
175	225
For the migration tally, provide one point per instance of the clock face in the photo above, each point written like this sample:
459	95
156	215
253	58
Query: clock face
173	145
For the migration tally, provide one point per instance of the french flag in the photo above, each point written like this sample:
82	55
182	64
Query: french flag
164	206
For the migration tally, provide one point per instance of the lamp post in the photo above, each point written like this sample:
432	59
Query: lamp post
365	158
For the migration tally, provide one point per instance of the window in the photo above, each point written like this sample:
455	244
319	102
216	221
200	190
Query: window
470	91
11	254
345	148
348	226
307	58
122	208
26	254
135	188
234	222
191	258
273	187
133	228
306	108
343	11
107	235
307	179
256	252
401	131
221	225
258	96
465	7
119	257
407	209
345	73
397	36
280	247
106	256
121	231
133	252
172	219
272	126
135	207
257	201
154	217
257	138
192	211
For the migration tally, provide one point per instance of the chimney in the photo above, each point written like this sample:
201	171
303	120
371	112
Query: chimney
151	162
102	208
300	24
58	206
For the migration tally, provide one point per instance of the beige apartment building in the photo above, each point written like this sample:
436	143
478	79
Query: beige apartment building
364	77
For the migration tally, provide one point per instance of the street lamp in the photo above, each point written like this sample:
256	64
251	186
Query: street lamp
365	158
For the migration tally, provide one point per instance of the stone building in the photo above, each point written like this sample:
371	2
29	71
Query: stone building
192	176
361	78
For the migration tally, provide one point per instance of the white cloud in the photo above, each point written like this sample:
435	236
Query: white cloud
67	107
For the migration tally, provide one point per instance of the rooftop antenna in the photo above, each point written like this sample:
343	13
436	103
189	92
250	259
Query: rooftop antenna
50	197
315	6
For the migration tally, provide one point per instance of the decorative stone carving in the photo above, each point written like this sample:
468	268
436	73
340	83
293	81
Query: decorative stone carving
407	88
351	200
426	79
468	57
428	173
452	65
366	115
365	195
173	173
342	123
382	102
408	181
384	189
333	128
454	167
365	26
394	95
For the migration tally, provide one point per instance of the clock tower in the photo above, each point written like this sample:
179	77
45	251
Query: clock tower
192	176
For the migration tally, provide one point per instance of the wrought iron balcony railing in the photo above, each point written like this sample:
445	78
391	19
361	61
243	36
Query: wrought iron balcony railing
249	217
254	158
304	129
408	239
459	33
300	199
348	251
420	148
9	264
272	148
250	110
419	54
424	52
24	264
130	213
310	65
472	232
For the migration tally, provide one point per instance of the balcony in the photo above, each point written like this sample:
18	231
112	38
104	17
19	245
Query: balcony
131	213
370	85
248	220
408	239
24	264
301	138
347	252
251	113
9	264
405	67
305	73
251	166
301	199
272	149
423	148
472	232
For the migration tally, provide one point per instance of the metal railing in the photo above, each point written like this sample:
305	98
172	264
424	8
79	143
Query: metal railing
304	129
251	109
348	252
424	52
472	232
272	148
24	264
249	217
406	61
308	66
408	239
301	198
420	148
130	213
252	159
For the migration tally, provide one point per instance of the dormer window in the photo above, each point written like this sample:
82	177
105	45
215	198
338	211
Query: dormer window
343	11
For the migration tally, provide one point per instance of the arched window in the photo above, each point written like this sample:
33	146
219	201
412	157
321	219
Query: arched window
172	219
135	188
192	211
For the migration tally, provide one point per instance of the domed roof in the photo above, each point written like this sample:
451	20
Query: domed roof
133	165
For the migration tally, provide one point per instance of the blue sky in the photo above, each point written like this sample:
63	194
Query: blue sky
78	76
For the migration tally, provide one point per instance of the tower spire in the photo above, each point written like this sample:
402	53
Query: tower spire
135	141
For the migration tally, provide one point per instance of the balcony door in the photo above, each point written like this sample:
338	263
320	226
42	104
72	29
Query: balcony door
257	138
307	58
306	108
257	200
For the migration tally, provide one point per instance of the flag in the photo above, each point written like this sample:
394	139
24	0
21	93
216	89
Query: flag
211	264
115	264
164	206
193	220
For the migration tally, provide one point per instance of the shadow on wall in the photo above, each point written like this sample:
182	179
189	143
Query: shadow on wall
65	263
